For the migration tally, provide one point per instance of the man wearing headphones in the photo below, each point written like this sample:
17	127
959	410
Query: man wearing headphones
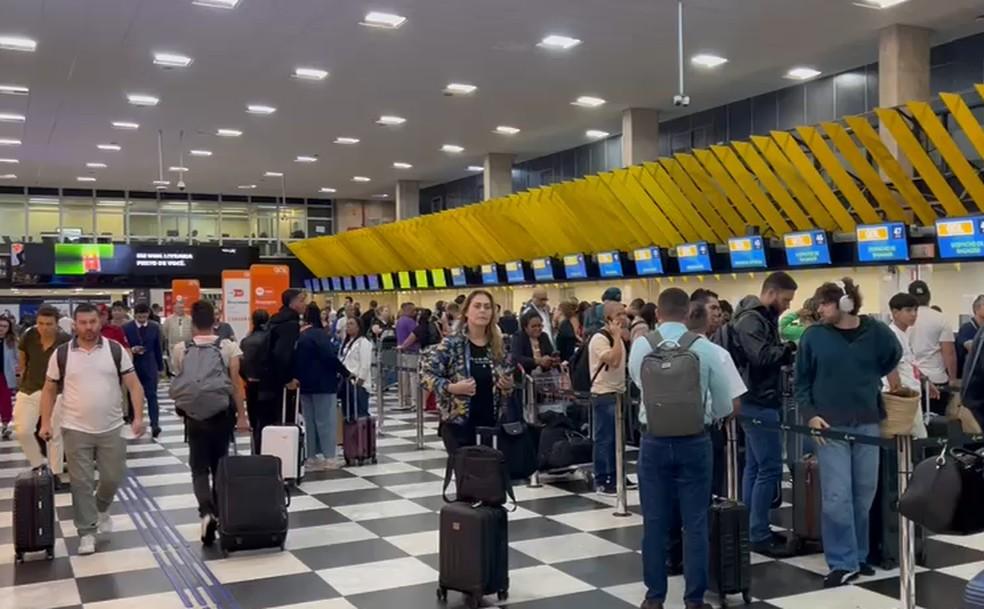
839	368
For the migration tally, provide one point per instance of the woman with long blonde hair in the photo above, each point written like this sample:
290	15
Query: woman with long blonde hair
466	372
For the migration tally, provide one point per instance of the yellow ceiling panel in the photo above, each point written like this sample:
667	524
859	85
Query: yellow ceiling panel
769	149
828	161
719	203
967	122
663	231
636	203
813	180
746	181
731	189
865	172
680	201
959	165
696	198
664	203
772	185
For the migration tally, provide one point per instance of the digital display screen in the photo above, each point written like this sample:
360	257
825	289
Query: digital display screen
77	259
882	242
514	272
807	248
421	279
458	278
610	264
325	284
440	278
388	281
373	282
360	283
648	261
404	277
574	267
694	257
336	284
309	284
348	284
961	238
490	274
747	252
543	269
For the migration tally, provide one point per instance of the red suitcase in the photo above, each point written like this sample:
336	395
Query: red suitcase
359	433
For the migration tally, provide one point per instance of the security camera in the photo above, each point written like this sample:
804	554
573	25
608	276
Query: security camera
182	185
681	100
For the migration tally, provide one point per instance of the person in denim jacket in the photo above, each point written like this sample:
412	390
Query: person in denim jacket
466	372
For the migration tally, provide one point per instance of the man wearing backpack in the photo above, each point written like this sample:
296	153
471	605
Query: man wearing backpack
684	388
208	395
762	354
606	361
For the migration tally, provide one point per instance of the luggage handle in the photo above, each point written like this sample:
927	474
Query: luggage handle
297	406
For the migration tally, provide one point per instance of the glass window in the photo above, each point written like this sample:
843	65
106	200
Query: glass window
43	219
292	223
12	217
77	217
320	220
174	220
205	221
143	220
264	221
110	217
235	221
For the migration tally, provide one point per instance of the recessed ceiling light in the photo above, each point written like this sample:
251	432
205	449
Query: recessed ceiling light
228	132
475	168
390	121
384	20
9	161
459	88
401	165
172	60
260	109
125	125
216	3
85	179
327	189
361	179
706	60
200	152
562	43
96	165
306	158
381	196
246	186
177	169
161	183
8	176
17	43
111	147
506	130
596	134
802	73
310	73
452	148
587	101
273	174
879	4
10	117
141	99
9	141
346	140
14	90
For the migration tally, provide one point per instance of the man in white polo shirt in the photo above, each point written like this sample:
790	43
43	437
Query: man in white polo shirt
87	372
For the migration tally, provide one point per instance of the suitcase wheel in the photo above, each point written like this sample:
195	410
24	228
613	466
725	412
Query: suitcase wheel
348	462
49	554
442	594
747	597
473	601
19	558
503	595
374	461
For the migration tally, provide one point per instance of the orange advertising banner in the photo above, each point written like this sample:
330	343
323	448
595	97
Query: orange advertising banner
187	291
267	283
235	300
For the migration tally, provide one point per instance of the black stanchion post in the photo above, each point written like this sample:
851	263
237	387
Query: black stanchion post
621	500
907	540
380	388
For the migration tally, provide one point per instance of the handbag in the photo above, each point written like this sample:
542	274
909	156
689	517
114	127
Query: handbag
480	476
945	492
518	443
900	414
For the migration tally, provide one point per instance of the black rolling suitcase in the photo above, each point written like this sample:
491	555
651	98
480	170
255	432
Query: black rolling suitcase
252	503
730	551
474	552
34	513
883	521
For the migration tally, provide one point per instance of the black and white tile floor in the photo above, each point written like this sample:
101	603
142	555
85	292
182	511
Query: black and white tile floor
366	538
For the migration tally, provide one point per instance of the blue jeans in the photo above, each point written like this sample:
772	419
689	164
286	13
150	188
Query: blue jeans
320	420
675	471
148	380
604	438
848	481
763	469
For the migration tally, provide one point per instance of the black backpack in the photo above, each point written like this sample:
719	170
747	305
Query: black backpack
257	354
580	365
561	446
481	476
727	337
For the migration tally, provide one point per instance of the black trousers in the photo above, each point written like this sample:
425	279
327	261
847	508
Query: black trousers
265	407
208	442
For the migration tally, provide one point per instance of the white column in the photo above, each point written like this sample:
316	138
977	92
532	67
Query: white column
498	175
407	199
640	135
903	73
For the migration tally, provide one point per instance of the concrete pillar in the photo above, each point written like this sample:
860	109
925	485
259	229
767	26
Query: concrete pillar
903	73
640	135
498	175
407	199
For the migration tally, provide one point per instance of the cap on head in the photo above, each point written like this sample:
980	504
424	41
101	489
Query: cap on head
612	294
918	288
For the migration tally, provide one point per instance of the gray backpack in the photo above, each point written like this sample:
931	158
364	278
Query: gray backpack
203	388
671	392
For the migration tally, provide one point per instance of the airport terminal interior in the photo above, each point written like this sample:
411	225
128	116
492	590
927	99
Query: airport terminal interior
159	153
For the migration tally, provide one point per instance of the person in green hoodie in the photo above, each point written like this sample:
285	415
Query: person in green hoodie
793	324
839	368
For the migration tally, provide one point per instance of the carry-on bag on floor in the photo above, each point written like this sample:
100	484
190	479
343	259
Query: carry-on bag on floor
518	442
252	503
359	435
730	550
474	552
286	441
481	474
807	502
883	521
34	513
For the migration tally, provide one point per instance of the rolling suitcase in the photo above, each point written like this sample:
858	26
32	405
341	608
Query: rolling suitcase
252	503
286	442
974	593
34	513
359	435
730	552
883	523
807	502
474	552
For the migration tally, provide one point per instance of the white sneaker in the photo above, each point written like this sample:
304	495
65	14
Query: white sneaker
105	523
87	545
314	464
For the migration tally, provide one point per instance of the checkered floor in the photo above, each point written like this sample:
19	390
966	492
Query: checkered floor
366	538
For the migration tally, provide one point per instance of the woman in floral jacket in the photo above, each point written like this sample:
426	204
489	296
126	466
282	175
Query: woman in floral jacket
466	372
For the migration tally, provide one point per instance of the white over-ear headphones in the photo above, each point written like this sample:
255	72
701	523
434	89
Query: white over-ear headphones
846	303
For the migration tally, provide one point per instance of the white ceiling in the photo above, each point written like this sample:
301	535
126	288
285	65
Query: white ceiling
92	52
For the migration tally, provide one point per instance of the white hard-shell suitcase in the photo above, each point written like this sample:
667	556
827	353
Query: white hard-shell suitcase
286	441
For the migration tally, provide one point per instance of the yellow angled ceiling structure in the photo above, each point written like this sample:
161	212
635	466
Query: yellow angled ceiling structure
906	164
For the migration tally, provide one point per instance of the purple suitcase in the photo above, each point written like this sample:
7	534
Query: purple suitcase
359	433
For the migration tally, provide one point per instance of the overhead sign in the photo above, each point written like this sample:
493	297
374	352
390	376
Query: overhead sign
610	264
574	267
961	238
648	261
235	300
543	269
747	252
76	259
514	272
458	278
882	242
694	257
807	248
267	283
490	274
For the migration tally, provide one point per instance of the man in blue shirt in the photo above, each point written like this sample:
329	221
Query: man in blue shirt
678	468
